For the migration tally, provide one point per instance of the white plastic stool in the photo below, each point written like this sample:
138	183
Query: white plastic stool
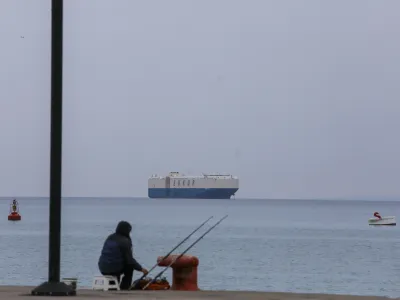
106	282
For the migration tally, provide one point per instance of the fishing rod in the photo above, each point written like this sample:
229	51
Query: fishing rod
170	252
183	253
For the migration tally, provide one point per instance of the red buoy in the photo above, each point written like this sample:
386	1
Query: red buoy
14	212
14	217
184	271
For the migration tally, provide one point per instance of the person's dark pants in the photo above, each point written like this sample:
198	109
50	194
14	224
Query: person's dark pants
126	280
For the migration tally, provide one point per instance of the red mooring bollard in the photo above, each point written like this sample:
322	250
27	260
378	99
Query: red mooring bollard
184	271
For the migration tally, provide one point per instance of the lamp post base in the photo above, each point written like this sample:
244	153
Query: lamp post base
53	289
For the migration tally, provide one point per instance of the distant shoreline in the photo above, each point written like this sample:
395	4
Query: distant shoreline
383	199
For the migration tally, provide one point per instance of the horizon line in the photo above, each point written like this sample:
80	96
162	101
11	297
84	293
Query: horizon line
383	198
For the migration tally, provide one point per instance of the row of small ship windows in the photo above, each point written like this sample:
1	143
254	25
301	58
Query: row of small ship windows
183	182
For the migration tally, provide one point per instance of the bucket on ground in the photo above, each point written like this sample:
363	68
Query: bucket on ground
71	281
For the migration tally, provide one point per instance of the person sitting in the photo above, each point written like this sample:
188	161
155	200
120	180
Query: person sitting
116	256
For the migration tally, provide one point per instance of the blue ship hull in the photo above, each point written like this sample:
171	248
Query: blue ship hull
192	193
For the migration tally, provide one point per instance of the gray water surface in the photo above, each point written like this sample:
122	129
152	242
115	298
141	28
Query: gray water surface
266	245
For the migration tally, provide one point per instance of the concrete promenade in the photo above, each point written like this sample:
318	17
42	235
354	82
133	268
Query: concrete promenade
23	292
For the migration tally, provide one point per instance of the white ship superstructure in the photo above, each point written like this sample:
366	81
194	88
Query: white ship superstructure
206	186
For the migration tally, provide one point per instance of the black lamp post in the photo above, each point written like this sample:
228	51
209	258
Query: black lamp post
53	287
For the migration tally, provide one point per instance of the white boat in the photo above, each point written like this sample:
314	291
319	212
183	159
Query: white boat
378	220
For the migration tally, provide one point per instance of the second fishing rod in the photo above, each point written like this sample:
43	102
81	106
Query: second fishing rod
170	252
184	252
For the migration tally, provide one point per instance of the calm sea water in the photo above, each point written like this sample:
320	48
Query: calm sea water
266	245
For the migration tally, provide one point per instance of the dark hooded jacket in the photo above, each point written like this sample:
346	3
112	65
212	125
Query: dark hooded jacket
117	251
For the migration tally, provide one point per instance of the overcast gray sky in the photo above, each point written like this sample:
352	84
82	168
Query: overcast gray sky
300	99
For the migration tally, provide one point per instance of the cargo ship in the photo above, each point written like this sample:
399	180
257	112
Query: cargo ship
205	186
